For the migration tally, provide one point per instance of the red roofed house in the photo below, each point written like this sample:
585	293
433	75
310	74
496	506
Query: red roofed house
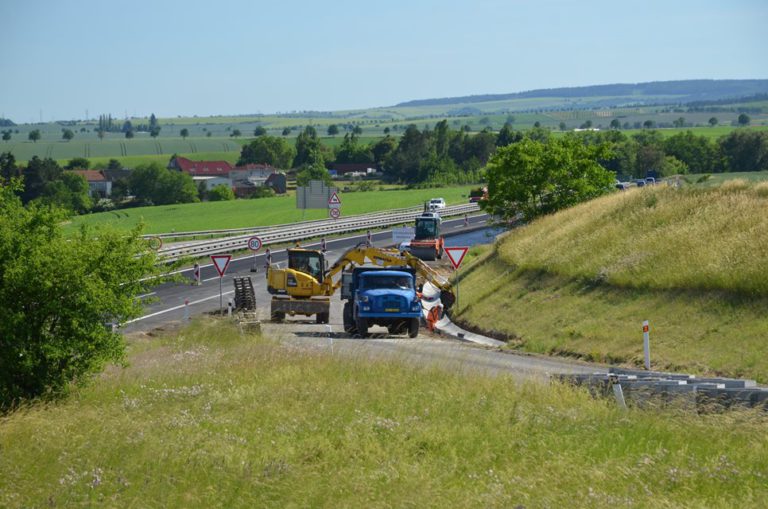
212	173
98	185
246	179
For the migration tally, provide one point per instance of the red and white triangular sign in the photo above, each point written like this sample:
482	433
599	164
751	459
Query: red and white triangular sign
334	199
456	255
221	262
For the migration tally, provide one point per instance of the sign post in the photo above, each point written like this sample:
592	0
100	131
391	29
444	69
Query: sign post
196	274
221	262
456	255
647	345
254	244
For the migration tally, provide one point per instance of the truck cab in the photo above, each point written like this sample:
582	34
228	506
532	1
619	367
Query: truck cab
381	296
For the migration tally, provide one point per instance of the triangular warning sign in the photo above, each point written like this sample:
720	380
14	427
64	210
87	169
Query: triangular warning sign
221	262
456	255
334	199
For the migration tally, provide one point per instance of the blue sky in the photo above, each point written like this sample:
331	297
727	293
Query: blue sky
235	57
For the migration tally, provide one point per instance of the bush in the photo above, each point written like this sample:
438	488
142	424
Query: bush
263	192
57	295
221	192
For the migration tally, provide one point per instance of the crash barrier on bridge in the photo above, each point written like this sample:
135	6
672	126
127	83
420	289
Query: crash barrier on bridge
304	230
655	389
245	298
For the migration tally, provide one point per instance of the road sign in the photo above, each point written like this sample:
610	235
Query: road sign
221	262
155	243
456	255
402	234
334	213
254	244
315	196
334	200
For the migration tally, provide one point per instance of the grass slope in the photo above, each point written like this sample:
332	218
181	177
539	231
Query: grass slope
692	261
260	212
211	419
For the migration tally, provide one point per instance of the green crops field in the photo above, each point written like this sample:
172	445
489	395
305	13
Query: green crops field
693	261
208	418
260	212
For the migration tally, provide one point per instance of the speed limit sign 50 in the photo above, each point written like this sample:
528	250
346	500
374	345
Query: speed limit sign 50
254	243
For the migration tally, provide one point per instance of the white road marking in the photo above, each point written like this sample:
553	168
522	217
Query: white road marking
176	307
146	295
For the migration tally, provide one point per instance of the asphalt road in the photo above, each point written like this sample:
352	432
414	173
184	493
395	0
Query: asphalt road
168	307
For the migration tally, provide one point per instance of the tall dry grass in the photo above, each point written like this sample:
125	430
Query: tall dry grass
657	237
210	419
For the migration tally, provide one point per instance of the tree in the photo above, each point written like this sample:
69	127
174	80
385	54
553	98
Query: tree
313	172
236	133
259	131
153	184
37	175
114	164
386	130
129	134
286	131
615	124
507	136
7	135
713	121
306	145
679	122
743	120
154	131
67	134
208	134
221	192
698	153
333	130
382	148
184	133
8	168
78	163
57	294
745	150
586	125
34	135
357	130
100	134
537	124
649	124
127	126
153	123
70	192
268	150
535	178
562	126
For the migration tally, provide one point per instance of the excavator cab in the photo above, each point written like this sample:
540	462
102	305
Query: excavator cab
307	261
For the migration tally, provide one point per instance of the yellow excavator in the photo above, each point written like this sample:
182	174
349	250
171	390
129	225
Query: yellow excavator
306	285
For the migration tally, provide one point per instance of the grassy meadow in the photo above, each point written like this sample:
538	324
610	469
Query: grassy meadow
208	418
261	212
693	261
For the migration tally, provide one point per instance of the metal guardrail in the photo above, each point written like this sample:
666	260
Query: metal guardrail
305	230
654	388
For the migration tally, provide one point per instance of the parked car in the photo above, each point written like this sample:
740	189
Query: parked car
431	214
436	204
621	185
650	181
640	182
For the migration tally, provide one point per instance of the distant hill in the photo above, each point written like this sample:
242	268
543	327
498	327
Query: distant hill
657	92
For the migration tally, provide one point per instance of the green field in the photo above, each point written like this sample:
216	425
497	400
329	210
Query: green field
693	261
208	418
260	212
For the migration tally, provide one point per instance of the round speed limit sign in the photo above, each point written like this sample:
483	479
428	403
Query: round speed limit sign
254	244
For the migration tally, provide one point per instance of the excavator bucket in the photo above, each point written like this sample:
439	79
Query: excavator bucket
447	298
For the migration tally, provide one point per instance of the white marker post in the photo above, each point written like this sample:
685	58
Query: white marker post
186	309
647	345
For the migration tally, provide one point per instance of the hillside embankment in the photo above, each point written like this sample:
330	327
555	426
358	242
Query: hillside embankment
694	262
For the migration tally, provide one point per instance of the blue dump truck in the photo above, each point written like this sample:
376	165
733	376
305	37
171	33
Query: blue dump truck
381	296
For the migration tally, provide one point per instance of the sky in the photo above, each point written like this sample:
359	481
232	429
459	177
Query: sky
231	57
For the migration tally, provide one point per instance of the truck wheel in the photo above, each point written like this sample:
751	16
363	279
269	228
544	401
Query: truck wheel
349	322
413	328
362	327
322	317
278	316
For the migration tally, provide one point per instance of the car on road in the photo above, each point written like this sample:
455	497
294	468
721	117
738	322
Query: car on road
436	204
433	215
